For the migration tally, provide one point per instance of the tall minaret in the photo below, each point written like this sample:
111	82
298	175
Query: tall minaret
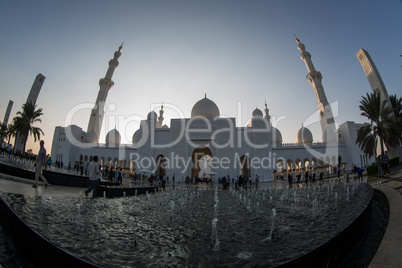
267	116
324	109
8	111
97	113
373	76
160	118
6	117
20	140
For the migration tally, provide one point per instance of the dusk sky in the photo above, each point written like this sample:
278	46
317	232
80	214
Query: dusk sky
240	53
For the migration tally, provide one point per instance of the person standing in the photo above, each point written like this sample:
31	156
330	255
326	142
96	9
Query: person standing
118	176
94	174
9	150
290	180
49	162
40	163
360	174
306	177
385	161
379	164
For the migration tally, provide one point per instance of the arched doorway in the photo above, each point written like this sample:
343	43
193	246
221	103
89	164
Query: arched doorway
198	154
160	169
245	166
204	165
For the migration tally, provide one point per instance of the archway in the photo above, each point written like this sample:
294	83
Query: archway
306	163
298	164
132	166
289	165
115	163
198	153
245	166
160	169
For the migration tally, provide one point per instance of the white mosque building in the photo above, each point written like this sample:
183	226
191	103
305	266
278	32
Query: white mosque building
209	144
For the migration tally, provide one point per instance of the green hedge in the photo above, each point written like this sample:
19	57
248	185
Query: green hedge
394	161
373	169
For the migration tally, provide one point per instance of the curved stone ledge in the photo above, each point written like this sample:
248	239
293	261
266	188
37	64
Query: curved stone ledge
333	252
36	249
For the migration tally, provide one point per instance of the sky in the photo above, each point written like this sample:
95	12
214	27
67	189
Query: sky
239	53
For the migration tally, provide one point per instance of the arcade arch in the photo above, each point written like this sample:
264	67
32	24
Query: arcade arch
199	153
160	169
245	166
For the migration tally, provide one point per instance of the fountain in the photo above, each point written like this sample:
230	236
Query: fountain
173	227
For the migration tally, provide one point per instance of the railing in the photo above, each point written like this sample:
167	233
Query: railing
303	144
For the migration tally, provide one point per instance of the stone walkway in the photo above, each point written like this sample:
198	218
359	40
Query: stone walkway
389	252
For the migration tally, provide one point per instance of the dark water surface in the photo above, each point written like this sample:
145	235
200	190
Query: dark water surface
174	228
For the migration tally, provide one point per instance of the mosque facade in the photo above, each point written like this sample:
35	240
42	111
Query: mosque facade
208	144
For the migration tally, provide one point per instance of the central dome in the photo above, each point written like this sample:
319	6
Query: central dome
205	108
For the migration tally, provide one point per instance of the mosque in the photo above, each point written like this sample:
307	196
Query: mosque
207	144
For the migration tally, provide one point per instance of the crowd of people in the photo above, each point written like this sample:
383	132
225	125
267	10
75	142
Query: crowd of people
93	170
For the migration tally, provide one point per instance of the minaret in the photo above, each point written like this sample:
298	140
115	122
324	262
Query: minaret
324	109
373	76
20	140
160	118
6	117
267	116
105	84
8	111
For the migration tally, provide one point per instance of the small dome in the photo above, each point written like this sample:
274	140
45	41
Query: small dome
113	137
137	136
152	116
92	136
165	126
205	108
304	136
276	136
257	113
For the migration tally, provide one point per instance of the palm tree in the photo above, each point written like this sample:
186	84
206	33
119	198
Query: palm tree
397	108
3	132
381	128
11	131
396	105
26	119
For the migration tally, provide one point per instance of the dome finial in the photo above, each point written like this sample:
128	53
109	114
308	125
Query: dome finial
266	105
205	95
121	46
297	39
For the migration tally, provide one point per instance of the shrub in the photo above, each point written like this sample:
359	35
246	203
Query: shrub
394	161
372	169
